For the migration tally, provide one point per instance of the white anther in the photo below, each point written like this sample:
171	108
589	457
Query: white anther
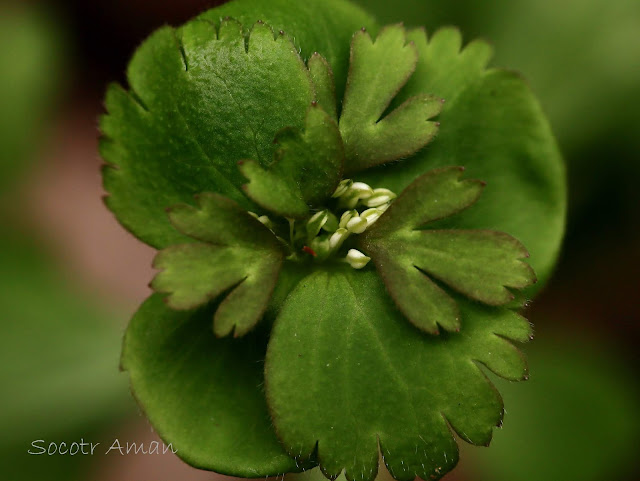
371	215
357	259
349	199
337	238
379	197
364	190
343	187
354	194
383	208
347	215
357	225
321	217
316	222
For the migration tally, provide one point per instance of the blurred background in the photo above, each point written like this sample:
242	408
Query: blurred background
70	276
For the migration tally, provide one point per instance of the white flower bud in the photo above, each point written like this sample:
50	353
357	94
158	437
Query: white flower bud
364	190
343	187
379	197
346	217
349	199
371	215
383	208
337	238
357	192
357	225
315	224
320	216
357	259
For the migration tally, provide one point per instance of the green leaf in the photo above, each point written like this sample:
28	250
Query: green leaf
203	394
238	254
325	26
201	100
346	374
186	120
324	81
412	261
492	124
305	171
378	70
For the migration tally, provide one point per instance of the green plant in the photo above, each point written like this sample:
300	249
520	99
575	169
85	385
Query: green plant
318	356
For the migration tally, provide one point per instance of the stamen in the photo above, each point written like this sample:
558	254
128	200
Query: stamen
357	259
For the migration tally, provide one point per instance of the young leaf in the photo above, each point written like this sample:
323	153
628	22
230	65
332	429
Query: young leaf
324	82
377	72
478	264
202	394
323	26
201	99
492	124
238	253
345	374
305	171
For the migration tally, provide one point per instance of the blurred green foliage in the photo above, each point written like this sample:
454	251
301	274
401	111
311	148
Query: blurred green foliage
59	357
58	349
32	69
576	419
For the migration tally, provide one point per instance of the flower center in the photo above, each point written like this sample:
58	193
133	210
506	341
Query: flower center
327	234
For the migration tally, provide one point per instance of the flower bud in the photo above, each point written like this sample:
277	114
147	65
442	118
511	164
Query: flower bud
357	192
337	238
357	225
364	190
379	197
383	208
343	187
371	215
357	259
346	217
349	200
316	223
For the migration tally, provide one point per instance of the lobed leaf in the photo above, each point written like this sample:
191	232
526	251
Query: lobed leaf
492	124
202	394
217	91
378	70
435	195
305	171
202	98
239	255
413	262
346	376
325	27
324	82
